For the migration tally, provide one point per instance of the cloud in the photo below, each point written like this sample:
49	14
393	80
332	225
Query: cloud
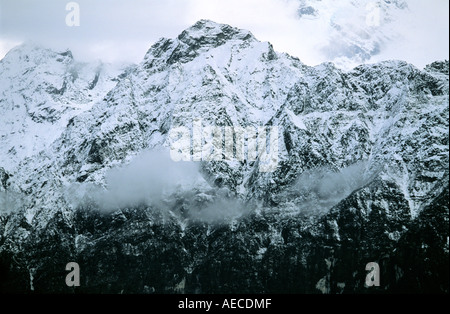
10	201
318	190
423	34
147	179
154	181
217	209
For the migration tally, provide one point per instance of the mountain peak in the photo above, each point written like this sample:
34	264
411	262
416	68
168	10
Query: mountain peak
201	36
210	28
212	34
35	54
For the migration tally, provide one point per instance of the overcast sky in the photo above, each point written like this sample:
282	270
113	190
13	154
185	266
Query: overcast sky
114	31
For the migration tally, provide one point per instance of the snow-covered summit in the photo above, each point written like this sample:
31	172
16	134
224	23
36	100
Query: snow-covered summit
206	32
201	37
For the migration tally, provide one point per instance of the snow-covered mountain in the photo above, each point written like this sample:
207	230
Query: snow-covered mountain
40	91
362	172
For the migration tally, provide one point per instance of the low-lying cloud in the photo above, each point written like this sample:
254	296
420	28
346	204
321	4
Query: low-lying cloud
152	179
145	180
320	189
10	201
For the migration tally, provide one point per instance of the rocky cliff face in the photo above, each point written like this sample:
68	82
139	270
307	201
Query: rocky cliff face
361	176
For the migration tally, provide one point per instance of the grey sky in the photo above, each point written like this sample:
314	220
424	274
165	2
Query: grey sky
109	29
114	30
